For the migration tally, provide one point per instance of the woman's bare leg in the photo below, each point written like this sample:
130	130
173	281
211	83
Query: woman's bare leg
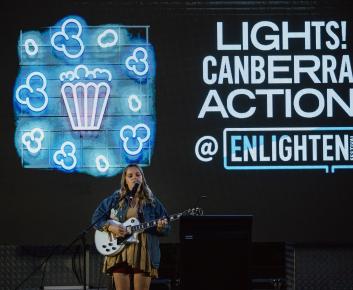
141	282
121	281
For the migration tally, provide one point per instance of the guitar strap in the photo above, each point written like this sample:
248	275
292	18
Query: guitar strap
115	206
140	216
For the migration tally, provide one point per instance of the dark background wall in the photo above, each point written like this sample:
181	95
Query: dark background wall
51	207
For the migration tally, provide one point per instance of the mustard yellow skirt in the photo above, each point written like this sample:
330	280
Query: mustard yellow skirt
135	255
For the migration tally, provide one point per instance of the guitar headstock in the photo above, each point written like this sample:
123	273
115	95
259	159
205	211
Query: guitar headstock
193	212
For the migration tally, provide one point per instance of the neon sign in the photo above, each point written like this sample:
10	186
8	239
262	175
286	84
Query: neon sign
84	97
268	84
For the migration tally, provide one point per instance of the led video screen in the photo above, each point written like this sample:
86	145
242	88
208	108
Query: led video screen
238	113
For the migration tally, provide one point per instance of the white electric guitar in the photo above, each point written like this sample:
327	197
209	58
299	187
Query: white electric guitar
108	245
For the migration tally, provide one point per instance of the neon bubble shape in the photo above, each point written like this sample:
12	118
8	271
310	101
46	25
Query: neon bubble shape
29	137
102	163
31	43
134	61
74	75
105	34
61	155
134	99
62	47
134	133
28	87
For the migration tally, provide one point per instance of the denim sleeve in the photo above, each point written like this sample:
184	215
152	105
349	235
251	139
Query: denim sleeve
160	212
102	213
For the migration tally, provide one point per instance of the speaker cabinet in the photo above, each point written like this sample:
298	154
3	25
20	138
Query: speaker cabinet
215	252
319	266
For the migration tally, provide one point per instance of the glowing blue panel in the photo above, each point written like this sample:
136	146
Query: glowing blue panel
84	97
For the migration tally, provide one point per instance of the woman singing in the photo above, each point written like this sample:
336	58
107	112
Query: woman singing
133	199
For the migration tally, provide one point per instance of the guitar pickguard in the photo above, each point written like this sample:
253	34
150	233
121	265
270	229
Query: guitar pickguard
109	245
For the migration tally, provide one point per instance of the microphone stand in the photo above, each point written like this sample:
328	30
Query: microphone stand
202	196
81	236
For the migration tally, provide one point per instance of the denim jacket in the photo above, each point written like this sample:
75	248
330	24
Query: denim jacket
151	211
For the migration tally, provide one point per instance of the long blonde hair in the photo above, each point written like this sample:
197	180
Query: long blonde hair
145	194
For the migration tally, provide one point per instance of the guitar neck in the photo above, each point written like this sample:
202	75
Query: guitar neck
154	223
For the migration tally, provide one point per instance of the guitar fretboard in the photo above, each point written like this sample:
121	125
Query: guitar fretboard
153	223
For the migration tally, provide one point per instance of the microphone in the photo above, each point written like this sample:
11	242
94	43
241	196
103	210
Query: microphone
133	190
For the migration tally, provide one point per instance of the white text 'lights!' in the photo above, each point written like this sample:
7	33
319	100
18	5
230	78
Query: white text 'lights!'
84	98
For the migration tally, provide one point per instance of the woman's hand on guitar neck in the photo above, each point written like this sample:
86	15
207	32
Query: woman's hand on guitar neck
117	230
161	224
